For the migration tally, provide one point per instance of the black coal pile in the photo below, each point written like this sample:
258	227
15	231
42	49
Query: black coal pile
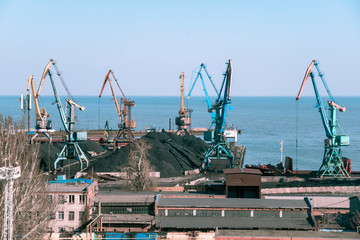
170	154
49	152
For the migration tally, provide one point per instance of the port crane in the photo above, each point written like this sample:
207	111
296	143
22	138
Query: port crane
332	164
126	122
182	121
219	156
43	125
71	149
199	75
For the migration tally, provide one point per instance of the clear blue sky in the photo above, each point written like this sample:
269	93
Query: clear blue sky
149	43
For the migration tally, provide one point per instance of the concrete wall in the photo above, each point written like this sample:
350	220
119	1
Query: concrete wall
85	206
68	225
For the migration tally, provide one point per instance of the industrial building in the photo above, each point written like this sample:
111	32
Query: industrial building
75	198
123	211
229	213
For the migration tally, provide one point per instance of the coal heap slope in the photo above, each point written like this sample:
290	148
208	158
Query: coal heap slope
49	152
169	154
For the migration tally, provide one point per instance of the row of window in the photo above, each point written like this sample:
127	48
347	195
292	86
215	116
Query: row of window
71	215
125	210
232	213
70	199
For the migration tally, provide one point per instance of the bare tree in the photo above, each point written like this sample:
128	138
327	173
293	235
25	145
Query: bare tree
355	220
32	205
139	166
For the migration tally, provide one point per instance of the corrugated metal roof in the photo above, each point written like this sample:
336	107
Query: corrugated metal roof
116	197
320	201
230	202
59	187
232	223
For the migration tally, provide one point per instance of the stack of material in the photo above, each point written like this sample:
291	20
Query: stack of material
169	154
49	152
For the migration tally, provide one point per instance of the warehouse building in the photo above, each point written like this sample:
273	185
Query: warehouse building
206	214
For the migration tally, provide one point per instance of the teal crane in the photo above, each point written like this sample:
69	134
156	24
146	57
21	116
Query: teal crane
71	149
219	156
199	74
332	164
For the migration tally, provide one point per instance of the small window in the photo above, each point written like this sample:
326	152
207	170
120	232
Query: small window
71	198
82	199
61	215
71	216
61	199
52	215
81	215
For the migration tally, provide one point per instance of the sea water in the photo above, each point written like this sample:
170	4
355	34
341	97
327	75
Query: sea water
264	122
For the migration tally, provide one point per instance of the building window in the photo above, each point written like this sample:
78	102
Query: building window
61	215
71	198
52	215
81	215
61	199
82	198
71	216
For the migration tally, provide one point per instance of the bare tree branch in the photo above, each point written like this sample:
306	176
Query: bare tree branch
32	206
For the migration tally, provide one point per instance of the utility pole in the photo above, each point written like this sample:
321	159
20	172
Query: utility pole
26	107
281	151
9	174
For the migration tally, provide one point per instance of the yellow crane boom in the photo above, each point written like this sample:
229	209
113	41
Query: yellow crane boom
107	79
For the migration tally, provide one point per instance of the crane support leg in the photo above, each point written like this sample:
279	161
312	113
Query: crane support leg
72	150
332	163
47	135
218	157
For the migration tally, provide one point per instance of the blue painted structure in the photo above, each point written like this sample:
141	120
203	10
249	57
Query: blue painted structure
199	74
332	164
219	150
139	236
78	180
71	149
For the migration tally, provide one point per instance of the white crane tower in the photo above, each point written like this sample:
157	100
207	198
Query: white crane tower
9	174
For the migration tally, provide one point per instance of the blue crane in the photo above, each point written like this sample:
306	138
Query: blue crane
71	149
199	74
219	156
332	164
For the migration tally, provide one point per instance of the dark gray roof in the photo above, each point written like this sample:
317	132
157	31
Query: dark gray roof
286	234
64	188
125	197
128	218
232	223
231	202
